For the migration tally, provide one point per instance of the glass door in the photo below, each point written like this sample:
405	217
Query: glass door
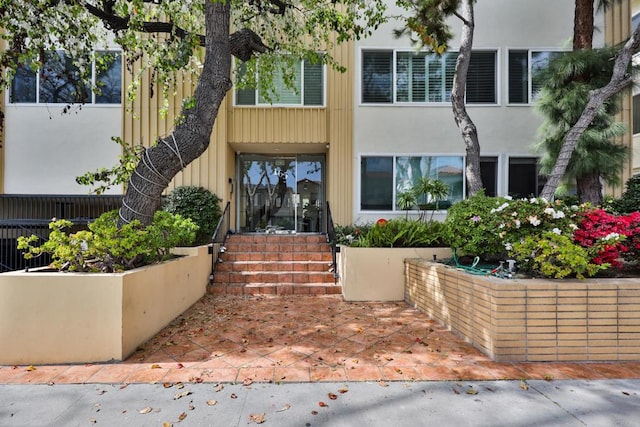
280	194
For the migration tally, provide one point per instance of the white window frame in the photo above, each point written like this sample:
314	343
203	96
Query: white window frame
394	95
394	156
259	104
530	95
91	104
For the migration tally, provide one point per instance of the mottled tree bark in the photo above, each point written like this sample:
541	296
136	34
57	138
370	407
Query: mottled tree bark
191	136
463	120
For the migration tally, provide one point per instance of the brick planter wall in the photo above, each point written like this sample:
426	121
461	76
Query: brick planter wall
531	319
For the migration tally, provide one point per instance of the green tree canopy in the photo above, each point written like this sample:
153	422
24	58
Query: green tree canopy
166	36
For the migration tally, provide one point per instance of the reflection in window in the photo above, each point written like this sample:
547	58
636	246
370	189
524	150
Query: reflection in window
59	82
448	169
524	67
383	178
305	86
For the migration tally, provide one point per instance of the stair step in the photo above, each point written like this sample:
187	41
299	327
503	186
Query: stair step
275	264
267	266
275	289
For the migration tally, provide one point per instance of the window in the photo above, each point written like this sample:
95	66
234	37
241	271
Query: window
425	78
384	178
59	82
308	88
489	175
524	179
524	81
636	114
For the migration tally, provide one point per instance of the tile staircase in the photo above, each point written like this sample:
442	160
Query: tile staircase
275	264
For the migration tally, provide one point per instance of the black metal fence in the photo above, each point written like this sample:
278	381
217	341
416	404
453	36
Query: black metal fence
26	214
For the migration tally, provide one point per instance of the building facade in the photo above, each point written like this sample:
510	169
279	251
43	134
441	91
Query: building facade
356	140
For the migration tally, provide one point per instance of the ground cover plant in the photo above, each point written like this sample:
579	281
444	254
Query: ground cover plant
393	233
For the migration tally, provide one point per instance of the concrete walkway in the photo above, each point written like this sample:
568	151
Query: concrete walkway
423	403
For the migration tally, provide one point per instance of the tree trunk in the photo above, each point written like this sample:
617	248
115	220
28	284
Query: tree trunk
590	189
583	25
160	163
465	124
619	80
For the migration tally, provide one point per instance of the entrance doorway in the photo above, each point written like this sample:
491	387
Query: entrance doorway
281	194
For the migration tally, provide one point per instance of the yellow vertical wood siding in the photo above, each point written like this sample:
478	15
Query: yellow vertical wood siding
304	129
617	30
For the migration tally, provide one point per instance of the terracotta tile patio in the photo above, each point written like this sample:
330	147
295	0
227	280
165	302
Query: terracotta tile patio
306	338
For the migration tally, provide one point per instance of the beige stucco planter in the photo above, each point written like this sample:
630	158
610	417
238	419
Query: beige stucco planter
377	274
531	320
51	317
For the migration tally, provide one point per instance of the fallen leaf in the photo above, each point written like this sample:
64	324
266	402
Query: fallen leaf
182	416
524	385
383	383
191	406
343	390
314	412
101	392
167	385
219	388
398	370
625	393
155	366
472	391
257	418
181	395
179	366
211	402
234	396
166	424
123	386
548	377
30	368
146	410
93	421
455	390
247	381
322	404
286	407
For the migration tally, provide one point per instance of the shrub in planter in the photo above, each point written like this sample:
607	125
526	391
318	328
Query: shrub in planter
554	255
617	237
489	226
198	204
402	233
630	200
108	248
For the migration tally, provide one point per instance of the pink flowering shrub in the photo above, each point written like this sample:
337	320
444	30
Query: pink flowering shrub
617	235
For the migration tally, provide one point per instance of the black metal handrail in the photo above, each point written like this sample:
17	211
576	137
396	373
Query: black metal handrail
220	234
26	214
331	239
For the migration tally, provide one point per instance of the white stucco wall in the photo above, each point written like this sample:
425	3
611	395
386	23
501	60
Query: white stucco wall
504	130
45	150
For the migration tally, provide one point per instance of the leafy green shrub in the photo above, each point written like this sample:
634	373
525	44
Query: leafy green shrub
488	226
107	248
553	255
402	233
198	204
630	200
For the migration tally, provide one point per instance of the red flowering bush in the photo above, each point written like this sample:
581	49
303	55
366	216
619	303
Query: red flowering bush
617	235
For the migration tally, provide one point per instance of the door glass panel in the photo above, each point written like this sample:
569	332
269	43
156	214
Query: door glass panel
280	194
